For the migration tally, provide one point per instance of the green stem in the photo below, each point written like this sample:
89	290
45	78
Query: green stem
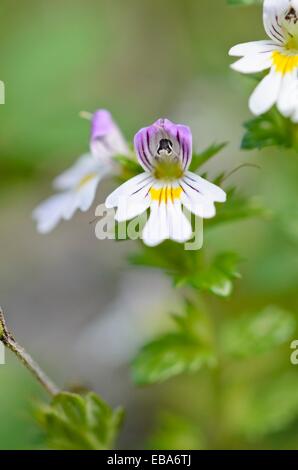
8	340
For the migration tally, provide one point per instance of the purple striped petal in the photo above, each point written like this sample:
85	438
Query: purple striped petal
280	19
163	137
106	139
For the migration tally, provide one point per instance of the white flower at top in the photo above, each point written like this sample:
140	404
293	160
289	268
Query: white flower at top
77	186
164	150
279	54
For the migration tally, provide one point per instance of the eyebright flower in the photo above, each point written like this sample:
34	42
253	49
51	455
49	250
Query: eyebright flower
77	185
279	54
164	150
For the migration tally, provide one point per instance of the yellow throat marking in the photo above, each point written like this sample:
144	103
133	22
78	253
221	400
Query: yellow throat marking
284	63
168	170
165	194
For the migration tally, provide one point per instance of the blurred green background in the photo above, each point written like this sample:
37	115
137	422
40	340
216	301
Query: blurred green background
141	60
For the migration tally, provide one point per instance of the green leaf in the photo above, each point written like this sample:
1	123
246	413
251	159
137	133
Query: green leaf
268	130
75	422
217	278
170	256
191	267
256	333
271	406
168	356
194	322
198	159
174	353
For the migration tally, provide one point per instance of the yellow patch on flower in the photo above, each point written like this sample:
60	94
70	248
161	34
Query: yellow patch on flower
86	179
284	63
165	194
168	169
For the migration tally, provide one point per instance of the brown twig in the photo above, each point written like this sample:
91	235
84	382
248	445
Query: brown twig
11	344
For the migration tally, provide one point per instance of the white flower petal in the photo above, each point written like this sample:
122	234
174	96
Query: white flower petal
266	93
197	203
85	165
294	116
253	47
87	192
213	192
72	206
49	213
134	205
288	97
151	235
179	225
156	229
253	63
127	189
166	221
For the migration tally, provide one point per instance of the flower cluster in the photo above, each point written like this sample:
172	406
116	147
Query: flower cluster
164	151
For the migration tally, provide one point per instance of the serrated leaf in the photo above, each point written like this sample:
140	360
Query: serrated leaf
268	130
191	268
75	422
184	350
168	356
218	277
256	333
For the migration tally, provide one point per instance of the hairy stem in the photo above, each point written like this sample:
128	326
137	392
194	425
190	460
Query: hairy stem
9	341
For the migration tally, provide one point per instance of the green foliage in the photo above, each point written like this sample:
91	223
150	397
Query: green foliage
183	351
268	130
238	207
217	277
168	356
198	159
74	422
256	333
191	268
176	432
270	407
129	167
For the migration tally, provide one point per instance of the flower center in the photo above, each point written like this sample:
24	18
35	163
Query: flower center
165	194
284	63
167	169
290	27
165	147
291	16
292	44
